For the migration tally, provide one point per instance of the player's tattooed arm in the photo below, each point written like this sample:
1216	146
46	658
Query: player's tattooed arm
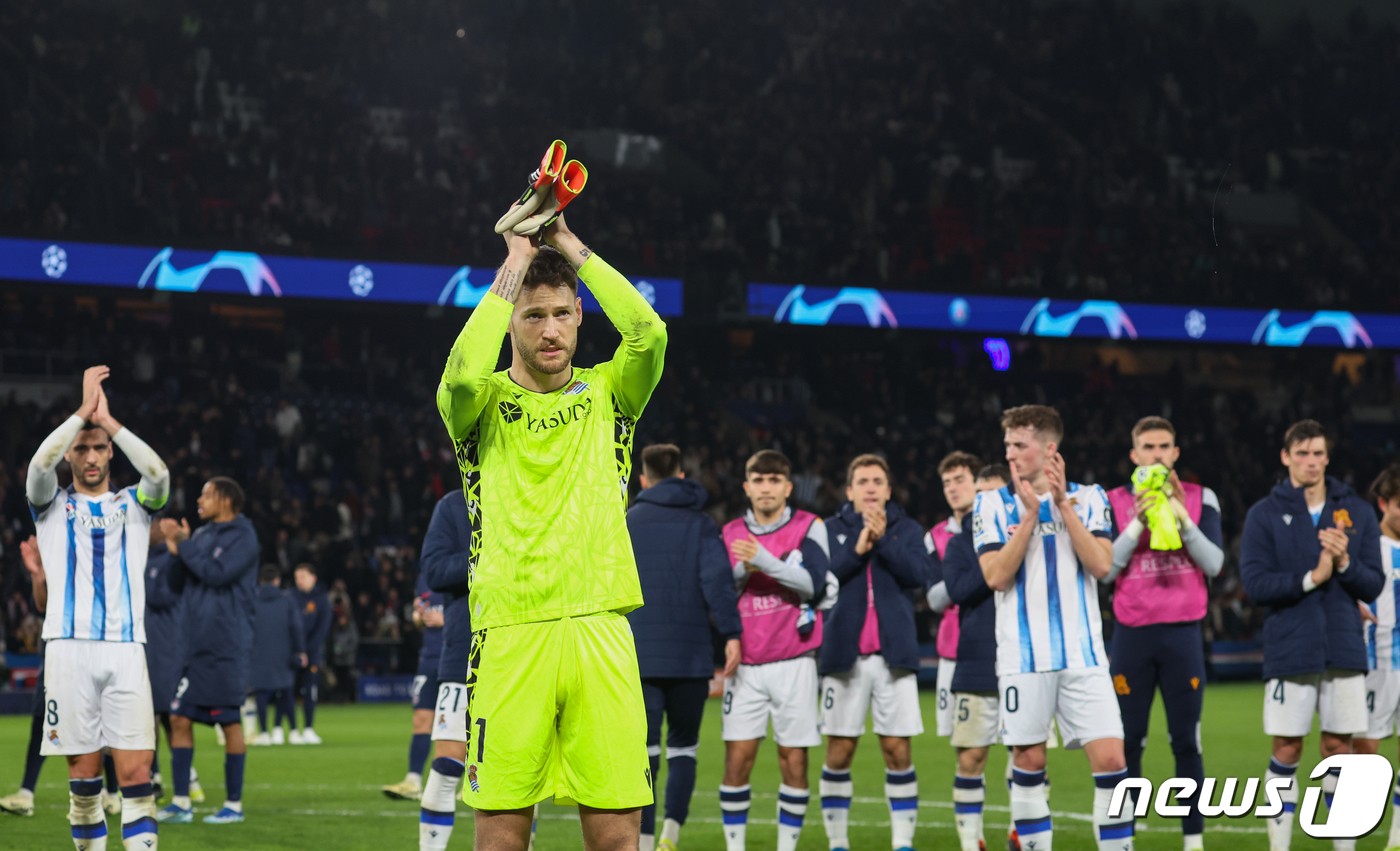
521	251
567	243
507	283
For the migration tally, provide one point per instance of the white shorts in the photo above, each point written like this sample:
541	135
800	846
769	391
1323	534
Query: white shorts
786	691
1382	703
976	720
1081	698
450	713
96	694
943	722
871	685
1338	698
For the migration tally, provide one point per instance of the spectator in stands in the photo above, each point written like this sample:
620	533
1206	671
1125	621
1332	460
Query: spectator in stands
345	645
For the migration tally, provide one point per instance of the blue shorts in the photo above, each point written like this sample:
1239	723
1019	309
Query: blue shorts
425	691
210	715
456	642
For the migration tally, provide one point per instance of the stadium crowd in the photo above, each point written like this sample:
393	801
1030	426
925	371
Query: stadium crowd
318	413
1086	149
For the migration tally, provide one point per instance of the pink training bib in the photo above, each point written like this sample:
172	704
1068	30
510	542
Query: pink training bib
769	609
869	633
1156	586
947	641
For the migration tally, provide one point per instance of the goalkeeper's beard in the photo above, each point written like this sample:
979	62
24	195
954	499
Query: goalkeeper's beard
554	366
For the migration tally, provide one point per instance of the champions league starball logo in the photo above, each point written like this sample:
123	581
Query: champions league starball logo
959	312
361	280
54	261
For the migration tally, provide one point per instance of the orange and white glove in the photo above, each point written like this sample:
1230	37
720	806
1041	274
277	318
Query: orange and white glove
552	187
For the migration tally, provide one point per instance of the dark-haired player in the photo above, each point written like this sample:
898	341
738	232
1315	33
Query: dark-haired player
217	571
545	450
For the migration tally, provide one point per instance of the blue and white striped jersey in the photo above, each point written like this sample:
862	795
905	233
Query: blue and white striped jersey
1383	636
1049	619
94	552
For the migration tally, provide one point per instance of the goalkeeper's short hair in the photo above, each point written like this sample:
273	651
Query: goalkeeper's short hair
1153	423
550	269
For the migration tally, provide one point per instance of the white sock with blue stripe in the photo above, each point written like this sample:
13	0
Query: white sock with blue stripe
902	794
1280	827
792	809
1030	810
969	795
438	807
139	830
1114	834
85	814
836	791
734	807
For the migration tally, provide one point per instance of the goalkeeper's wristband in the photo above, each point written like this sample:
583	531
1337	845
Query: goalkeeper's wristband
535	195
566	188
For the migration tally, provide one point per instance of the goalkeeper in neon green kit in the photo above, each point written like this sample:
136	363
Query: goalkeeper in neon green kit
555	703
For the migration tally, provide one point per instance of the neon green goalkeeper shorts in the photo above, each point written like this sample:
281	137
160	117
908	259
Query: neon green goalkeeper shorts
556	710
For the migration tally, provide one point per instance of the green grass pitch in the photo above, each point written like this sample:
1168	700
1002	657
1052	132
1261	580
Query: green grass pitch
328	797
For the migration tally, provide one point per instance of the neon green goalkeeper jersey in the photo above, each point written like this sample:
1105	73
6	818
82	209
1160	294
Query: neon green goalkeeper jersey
546	474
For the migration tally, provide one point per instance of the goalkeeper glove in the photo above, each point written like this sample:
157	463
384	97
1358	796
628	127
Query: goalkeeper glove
551	164
552	187
1161	521
566	188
